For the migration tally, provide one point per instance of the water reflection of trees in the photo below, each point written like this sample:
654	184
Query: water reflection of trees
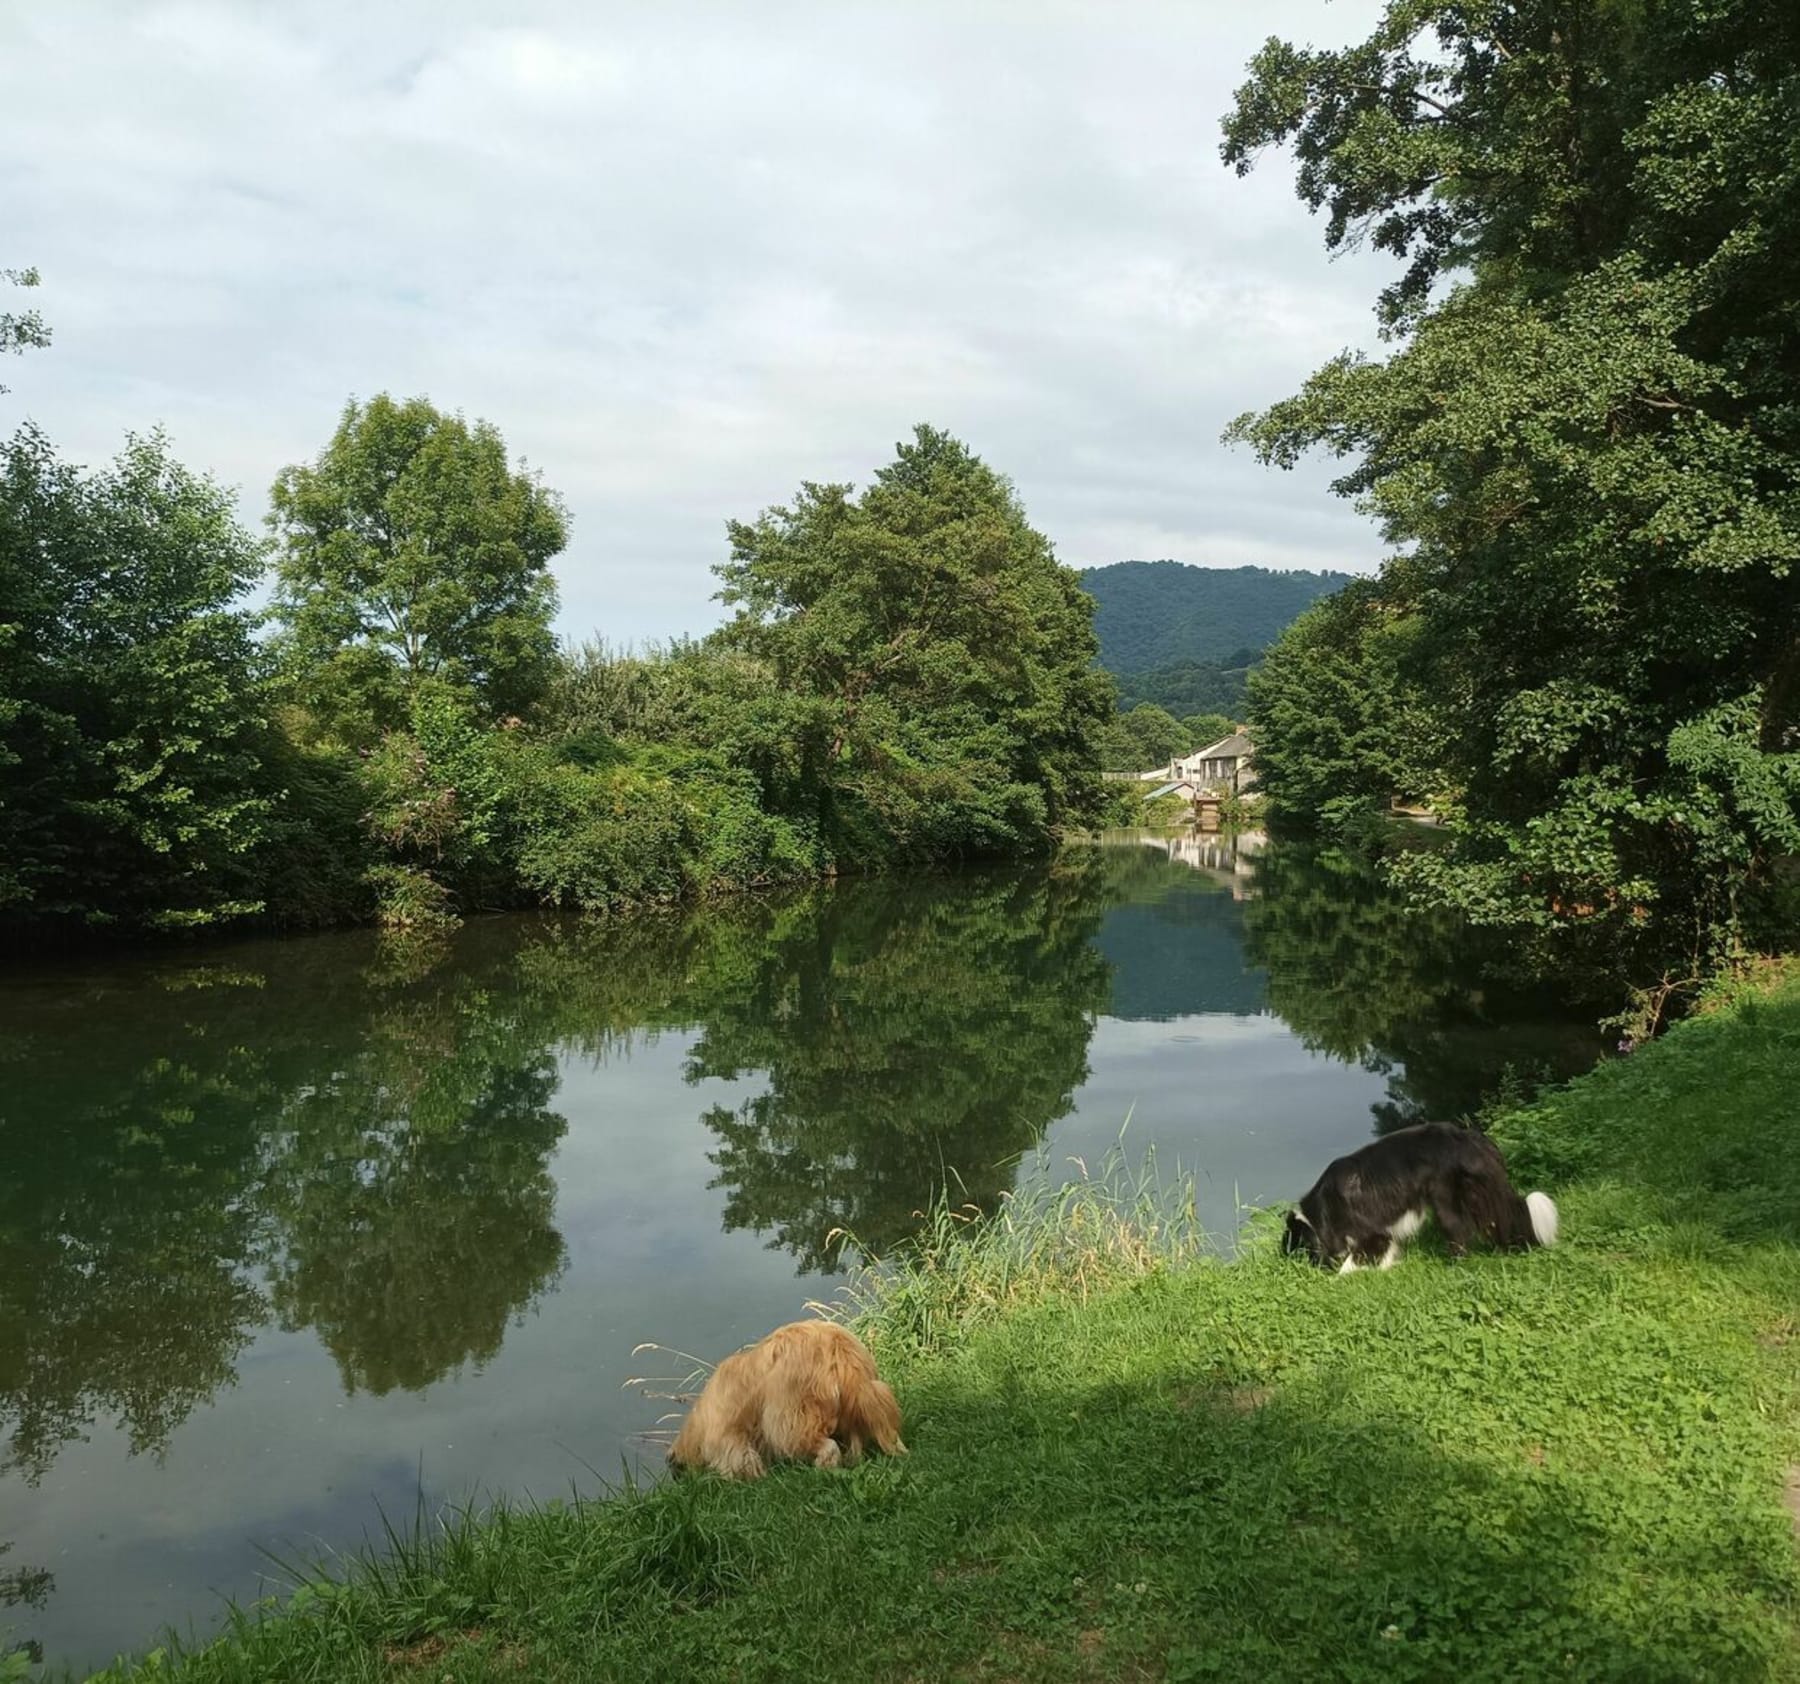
1359	974
27	1587
124	1231
408	1239
913	1037
191	1153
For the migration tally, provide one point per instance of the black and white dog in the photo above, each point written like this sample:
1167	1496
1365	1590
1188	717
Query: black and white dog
1367	1205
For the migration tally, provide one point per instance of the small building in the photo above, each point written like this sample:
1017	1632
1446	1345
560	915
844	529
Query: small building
1224	767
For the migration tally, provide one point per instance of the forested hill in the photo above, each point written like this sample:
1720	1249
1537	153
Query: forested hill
1184	638
1160	613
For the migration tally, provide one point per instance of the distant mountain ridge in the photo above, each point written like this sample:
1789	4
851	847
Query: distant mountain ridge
1162	614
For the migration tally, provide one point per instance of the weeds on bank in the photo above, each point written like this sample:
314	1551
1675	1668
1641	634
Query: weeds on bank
1048	1238
467	1582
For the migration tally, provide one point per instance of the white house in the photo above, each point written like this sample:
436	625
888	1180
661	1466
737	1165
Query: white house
1221	767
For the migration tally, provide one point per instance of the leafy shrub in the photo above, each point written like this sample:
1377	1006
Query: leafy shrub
317	852
738	844
616	836
408	898
133	788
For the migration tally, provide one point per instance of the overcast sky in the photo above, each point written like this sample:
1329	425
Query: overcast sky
686	256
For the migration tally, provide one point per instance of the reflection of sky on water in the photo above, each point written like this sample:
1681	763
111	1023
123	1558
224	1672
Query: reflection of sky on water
1191	1054
1237	1101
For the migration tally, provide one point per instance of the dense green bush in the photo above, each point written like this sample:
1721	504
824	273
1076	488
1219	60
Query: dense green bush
317	851
135	789
622	835
1341	725
740	844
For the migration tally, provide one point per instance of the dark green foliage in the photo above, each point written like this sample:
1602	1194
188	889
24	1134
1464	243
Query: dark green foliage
313	865
929	660
909	677
1587	444
1125	807
603	695
1205	729
1144	738
412	551
1185	687
1156	613
134	784
473	816
1341	728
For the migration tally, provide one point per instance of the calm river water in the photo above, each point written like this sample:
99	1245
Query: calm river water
291	1231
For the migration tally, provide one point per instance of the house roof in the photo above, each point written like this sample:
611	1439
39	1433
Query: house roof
1236	746
1167	789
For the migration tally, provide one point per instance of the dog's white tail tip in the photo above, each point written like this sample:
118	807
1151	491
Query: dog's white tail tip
1544	1220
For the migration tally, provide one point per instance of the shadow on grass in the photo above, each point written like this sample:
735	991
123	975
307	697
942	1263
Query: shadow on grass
1217	1529
1189	1512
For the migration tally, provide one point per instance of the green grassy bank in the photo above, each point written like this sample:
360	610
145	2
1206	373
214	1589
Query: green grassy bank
1131	1464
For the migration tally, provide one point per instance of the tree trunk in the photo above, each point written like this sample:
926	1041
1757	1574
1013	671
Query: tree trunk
1781	699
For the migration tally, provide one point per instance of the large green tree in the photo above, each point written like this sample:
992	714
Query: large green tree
1339	723
411	551
1586	437
1144	738
133	785
932	662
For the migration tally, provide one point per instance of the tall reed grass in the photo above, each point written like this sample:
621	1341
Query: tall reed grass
1049	1237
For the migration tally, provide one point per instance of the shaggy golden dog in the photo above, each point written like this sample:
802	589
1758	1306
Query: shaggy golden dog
808	1392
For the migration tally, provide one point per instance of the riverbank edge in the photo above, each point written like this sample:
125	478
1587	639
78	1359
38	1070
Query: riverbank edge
1133	1461
26	947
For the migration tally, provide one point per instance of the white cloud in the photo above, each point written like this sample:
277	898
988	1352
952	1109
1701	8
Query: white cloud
686	256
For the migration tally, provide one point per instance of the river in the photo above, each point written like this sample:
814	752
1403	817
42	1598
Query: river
295	1232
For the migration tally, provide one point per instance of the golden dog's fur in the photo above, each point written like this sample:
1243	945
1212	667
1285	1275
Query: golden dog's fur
808	1392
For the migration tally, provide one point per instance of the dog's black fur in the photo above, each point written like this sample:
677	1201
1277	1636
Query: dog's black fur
1365	1205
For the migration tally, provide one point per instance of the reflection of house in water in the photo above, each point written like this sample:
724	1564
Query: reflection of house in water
1225	856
